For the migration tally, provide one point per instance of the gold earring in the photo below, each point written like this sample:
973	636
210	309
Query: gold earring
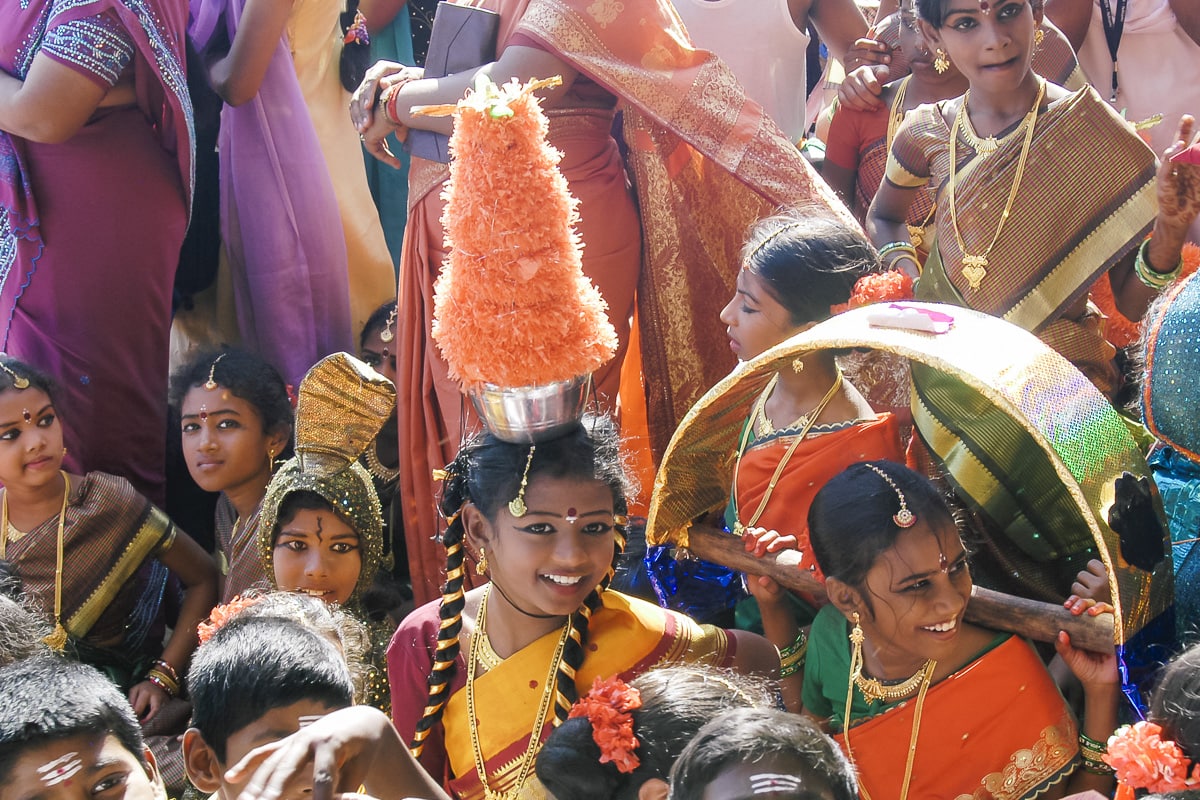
270	459
798	365
481	565
856	633
941	61
1039	36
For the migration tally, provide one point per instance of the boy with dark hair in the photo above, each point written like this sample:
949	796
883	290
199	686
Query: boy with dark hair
66	733
764	755
256	681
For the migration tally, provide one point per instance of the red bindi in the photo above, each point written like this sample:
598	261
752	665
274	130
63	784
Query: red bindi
203	413
572	514
25	415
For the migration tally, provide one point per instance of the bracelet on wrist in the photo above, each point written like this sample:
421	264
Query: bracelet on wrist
1150	277
1092	754
387	103
164	666
164	682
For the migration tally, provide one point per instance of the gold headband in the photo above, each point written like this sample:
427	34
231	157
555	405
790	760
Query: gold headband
791	226
903	518
211	383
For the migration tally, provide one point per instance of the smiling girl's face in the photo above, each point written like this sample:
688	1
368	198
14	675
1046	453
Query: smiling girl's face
318	554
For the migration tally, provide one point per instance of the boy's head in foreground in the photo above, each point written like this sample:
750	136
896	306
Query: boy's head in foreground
256	681
762	754
66	733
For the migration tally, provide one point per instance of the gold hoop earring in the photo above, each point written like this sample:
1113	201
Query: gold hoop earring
941	61
481	565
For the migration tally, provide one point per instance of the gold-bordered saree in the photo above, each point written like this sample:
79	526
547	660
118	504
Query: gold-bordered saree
1086	201
626	637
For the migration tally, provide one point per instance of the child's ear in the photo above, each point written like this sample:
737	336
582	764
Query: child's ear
152	772
844	597
277	439
477	529
203	769
654	789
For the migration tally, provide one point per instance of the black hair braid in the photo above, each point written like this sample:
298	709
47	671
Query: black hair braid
566	692
454	495
356	53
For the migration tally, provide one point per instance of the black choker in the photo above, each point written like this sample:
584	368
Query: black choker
508	600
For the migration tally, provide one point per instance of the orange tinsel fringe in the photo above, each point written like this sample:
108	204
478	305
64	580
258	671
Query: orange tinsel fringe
512	306
1119	329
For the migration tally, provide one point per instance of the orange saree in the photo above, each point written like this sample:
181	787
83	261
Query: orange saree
816	459
705	163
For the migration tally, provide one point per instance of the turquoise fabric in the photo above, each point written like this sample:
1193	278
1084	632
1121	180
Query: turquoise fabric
389	186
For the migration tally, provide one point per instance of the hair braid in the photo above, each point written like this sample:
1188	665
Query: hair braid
445	656
576	648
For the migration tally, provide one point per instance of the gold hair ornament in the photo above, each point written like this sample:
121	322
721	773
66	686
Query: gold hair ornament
517	506
19	381
386	335
904	518
211	383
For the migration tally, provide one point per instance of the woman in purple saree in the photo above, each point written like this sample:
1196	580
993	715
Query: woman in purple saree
95	185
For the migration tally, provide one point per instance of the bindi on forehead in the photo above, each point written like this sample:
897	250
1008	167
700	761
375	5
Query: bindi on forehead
60	770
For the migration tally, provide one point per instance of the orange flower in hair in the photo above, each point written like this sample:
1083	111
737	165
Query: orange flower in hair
878	287
222	614
1143	759
607	707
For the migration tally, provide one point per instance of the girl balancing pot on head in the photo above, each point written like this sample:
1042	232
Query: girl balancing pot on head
92	551
810	422
321	532
480	679
925	704
235	418
1040	191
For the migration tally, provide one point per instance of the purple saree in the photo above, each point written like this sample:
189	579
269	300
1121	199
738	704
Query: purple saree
90	228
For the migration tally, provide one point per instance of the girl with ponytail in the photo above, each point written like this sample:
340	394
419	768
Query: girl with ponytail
479	679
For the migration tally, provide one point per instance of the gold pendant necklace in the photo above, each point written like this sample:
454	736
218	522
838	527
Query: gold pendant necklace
57	639
876	690
535	736
924	678
974	267
806	422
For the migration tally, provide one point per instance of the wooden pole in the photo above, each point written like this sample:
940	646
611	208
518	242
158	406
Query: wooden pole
1003	612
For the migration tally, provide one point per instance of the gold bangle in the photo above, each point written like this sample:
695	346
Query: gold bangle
164	682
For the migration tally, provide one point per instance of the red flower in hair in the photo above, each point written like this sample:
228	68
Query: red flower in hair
291	395
1143	759
607	706
878	287
222	614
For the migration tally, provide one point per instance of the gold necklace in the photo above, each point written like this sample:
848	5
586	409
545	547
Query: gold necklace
805	422
548	693
896	117
975	266
925	677
876	690
57	639
376	467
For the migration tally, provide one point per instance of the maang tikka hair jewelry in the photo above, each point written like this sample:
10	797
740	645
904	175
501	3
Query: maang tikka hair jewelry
903	518
386	335
19	381
211	383
517	506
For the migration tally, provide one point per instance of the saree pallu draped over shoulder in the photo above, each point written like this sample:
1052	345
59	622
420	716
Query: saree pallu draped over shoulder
995	730
1063	233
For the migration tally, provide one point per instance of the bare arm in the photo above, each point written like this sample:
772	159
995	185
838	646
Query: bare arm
198	573
839	23
886	221
1178	206
1072	17
237	76
51	104
755	655
380	13
1187	12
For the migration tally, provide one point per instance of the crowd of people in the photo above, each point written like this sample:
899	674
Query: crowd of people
256	543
